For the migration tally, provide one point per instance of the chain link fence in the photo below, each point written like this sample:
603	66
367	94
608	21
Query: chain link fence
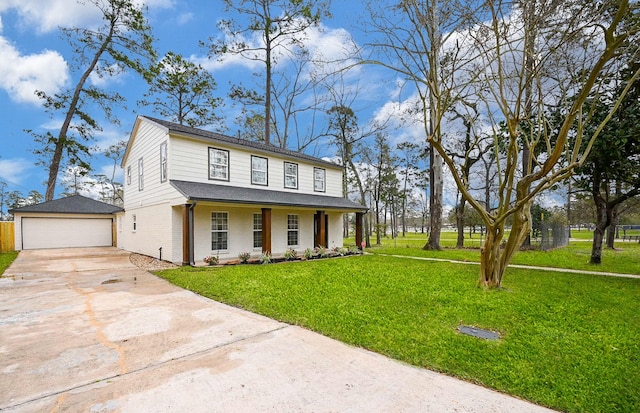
553	236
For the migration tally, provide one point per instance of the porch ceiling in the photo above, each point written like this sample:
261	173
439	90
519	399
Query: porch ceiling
197	191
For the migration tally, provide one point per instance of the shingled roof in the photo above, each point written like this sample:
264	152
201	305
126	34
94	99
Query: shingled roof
184	130
197	191
75	204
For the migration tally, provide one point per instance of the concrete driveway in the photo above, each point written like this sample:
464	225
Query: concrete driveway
84	330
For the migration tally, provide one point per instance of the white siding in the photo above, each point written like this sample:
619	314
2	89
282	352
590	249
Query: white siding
189	161
334	230
153	230
147	138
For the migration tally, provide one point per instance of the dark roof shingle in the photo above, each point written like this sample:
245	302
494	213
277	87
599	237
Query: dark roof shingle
200	133
75	204
197	191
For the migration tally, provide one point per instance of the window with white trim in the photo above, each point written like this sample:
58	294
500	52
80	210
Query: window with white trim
163	162
219	231
292	230
257	230
218	164
259	170
129	175
319	178
140	175
291	175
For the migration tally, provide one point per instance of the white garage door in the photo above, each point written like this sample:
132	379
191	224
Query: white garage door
65	232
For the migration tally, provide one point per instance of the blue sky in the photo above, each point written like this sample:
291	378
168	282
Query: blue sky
35	57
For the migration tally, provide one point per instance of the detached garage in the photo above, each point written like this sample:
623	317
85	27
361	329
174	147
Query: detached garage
75	221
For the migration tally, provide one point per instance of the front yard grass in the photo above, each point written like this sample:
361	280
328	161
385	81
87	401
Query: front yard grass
6	258
570	342
624	259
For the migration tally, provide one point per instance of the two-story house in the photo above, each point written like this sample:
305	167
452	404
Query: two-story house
191	193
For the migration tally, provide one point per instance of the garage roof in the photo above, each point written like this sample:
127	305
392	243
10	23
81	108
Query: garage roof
75	204
197	191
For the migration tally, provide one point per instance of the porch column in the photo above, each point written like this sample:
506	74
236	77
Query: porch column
359	216
186	244
266	230
321	230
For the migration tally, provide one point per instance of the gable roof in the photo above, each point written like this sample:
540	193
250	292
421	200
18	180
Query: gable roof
177	129
197	191
75	204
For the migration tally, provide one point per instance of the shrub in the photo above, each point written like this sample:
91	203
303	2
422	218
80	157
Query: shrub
244	257
308	253
322	251
290	254
265	258
211	259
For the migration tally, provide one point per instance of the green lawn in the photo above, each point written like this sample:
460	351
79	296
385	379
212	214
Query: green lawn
6	258
624	259
570	342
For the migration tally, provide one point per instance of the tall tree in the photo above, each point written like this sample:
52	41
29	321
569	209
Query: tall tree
408	38
576	43
466	151
272	26
611	172
409	170
383	182
115	153
124	41
183	92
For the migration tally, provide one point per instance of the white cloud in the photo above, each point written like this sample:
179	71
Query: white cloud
184	18
44	17
47	16
14	171
21	75
109	137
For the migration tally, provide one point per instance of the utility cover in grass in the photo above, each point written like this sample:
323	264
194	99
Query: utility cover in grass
478	332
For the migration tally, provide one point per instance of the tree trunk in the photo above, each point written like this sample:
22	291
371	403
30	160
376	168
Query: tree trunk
611	231
613	213
435	201
602	223
494	257
61	141
491	269
460	222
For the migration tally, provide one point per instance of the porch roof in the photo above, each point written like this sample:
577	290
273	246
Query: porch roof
198	191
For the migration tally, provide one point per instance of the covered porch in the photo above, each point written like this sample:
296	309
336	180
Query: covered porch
225	221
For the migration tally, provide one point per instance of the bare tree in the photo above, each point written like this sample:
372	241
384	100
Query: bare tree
273	26
410	36
576	44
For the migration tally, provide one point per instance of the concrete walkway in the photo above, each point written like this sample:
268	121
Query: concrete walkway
84	330
528	267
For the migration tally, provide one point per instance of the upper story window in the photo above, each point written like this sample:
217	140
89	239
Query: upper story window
218	164
319	178
259	170
129	175
140	175
163	162
291	175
